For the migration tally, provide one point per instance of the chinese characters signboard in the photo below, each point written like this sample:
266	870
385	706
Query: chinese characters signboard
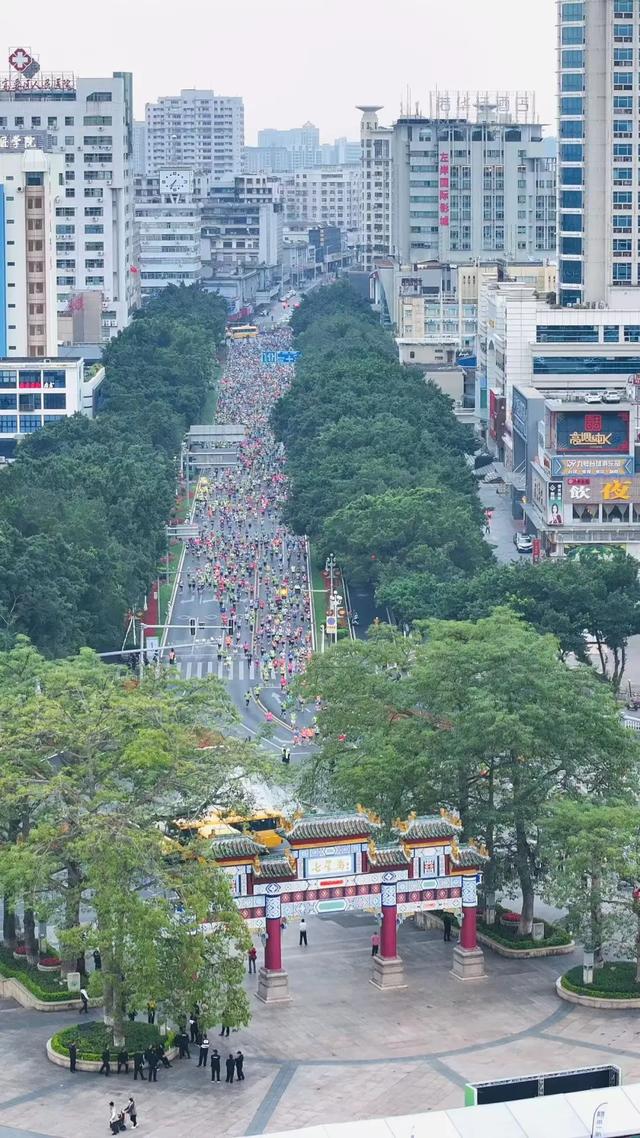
596	432
443	181
554	503
13	140
330	866
586	467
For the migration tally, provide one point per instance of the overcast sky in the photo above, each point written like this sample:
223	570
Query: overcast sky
294	60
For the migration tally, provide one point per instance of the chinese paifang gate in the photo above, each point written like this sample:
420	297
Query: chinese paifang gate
330	863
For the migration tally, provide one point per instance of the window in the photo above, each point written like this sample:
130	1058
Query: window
8	402
622	150
572	59
562	333
572	82
571	152
622	274
622	223
623	33
621	246
31	402
572	246
611	334
632	332
55	402
571	128
571	105
623	81
622	56
574	35
571	176
622	198
622	8
69	120
622	128
573	11
97	120
571	222
30	423
8	423
589	365
571	272
35	121
571	199
623	103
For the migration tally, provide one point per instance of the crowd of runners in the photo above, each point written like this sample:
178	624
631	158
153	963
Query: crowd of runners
244	559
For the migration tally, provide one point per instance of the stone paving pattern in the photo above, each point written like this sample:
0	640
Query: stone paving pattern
342	1050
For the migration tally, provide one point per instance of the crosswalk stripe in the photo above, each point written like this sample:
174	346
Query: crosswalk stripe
210	667
188	671
199	669
220	669
252	670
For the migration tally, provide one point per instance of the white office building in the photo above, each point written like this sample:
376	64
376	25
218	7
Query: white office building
328	195
31	190
88	121
599	163
139	159
473	180
195	129
169	220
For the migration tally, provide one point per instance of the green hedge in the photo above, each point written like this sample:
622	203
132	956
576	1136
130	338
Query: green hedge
611	982
44	985
554	937
92	1037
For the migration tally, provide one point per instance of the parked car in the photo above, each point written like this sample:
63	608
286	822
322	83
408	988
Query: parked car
523	542
593	397
610	396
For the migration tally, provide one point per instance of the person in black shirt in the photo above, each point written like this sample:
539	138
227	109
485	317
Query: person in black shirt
231	1066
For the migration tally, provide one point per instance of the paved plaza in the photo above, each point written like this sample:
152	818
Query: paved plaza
342	1050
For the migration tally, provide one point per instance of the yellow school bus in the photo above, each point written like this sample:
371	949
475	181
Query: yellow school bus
242	332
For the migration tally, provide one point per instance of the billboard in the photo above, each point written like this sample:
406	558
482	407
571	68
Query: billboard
554	503
589	467
593	432
548	1083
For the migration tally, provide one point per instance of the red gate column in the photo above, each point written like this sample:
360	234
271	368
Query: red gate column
468	958
273	981
386	969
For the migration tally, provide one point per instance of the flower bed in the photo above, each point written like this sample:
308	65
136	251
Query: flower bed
611	982
45	985
92	1038
507	936
49	964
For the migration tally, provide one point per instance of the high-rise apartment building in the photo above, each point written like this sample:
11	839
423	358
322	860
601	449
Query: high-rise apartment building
474	180
599	163
328	195
88	121
195	129
139	157
31	190
302	144
169	221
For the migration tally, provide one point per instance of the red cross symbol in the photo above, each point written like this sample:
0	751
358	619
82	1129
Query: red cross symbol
20	59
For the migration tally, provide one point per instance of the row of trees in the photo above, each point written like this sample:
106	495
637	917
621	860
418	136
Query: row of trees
375	456
485	717
83	506
94	766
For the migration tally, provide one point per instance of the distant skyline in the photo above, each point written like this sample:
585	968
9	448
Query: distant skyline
294	61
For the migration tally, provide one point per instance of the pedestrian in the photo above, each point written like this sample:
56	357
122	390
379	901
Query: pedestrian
247	698
84	996
160	1052
81	967
97	960
288	755
375	943
239	1066
231	1066
73	1055
215	1066
152	1061
252	959
131	1015
114	1119
106	1062
138	1066
130	1109
303	933
123	1060
182	1039
151	1011
225	1028
193	1028
204	1051
446	924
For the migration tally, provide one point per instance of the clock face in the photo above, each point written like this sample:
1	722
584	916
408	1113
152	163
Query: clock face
175	182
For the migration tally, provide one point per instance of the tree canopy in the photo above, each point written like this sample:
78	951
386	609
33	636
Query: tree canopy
375	456
83	506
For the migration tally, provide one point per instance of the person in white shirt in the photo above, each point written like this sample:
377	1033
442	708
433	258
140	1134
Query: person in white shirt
303	933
